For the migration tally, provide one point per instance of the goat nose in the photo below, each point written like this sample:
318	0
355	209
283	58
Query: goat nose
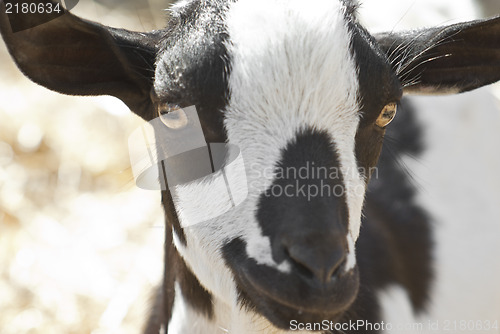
317	259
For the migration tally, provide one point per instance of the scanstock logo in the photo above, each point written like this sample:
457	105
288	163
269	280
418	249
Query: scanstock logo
27	14
170	152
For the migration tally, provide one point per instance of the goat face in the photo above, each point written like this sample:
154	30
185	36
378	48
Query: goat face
294	109
304	92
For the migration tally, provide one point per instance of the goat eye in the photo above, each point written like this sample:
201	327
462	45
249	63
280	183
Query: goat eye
172	116
387	115
165	108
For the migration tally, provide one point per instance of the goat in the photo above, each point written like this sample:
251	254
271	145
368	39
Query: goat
297	86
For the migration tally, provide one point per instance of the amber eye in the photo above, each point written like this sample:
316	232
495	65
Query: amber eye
387	115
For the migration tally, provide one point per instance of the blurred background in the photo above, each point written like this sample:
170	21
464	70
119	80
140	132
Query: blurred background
80	244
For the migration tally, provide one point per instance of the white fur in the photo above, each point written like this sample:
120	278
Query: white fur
186	320
228	319
292	68
351	257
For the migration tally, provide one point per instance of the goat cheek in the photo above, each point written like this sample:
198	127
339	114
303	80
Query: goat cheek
368	147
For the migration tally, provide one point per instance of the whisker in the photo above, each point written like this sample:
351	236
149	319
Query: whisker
402	75
415	80
440	42
406	45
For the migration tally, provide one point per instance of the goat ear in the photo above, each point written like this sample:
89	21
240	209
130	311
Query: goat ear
78	57
451	59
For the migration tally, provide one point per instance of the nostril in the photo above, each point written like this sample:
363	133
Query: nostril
303	270
313	262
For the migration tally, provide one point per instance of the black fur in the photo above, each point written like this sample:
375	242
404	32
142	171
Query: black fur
393	219
395	244
194	71
378	86
310	160
307	229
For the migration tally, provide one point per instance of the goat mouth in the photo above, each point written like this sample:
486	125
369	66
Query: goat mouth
283	297
282	309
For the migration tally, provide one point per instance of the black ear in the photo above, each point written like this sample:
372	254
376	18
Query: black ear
78	57
451	59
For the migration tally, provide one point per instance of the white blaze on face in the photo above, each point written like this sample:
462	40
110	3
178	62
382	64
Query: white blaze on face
291	69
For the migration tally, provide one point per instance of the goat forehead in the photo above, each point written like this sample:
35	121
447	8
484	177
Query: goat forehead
291	63
292	68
